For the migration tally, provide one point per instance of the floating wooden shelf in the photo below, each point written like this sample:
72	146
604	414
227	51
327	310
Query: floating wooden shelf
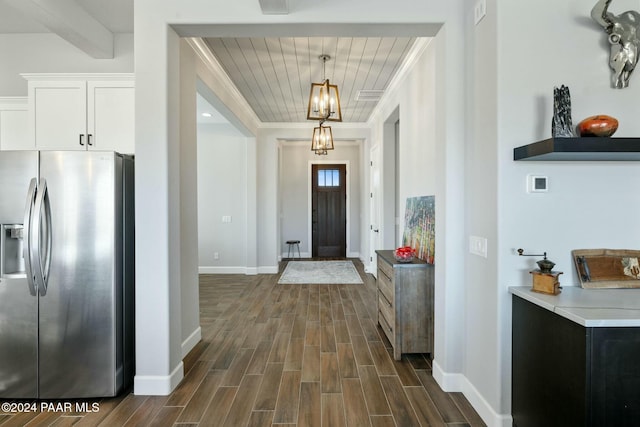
580	149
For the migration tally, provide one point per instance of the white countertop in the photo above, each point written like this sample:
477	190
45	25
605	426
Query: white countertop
589	307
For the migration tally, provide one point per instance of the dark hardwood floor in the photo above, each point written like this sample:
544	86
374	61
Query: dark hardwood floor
284	355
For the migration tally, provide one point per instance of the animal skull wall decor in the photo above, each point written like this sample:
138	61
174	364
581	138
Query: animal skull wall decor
623	32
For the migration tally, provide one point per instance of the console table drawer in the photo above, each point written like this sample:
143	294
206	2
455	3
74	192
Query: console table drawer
385	286
386	268
386	308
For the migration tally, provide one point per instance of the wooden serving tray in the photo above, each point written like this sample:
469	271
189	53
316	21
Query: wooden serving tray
607	268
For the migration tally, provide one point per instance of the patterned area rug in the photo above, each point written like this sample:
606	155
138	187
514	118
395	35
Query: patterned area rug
320	272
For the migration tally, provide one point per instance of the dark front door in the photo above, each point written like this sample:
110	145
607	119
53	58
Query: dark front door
329	210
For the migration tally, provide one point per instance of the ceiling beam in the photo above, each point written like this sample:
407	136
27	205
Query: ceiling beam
274	7
70	21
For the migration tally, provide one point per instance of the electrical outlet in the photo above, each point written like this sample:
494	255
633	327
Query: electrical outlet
216	255
226	218
478	246
479	11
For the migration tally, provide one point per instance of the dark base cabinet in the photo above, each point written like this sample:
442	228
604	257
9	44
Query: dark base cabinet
568	375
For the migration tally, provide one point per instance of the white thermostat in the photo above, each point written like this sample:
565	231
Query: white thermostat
537	184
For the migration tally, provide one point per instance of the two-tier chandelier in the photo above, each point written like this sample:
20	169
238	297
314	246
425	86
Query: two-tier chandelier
324	105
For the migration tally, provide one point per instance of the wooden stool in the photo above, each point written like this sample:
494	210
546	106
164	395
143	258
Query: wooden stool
293	244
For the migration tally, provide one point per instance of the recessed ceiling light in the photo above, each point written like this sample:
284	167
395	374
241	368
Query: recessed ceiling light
206	114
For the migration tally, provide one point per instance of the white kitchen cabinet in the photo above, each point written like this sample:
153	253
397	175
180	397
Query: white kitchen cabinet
13	124
82	112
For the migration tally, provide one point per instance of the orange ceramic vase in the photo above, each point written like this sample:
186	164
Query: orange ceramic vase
600	125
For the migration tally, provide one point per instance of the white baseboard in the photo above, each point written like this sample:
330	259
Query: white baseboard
224	270
268	269
249	271
460	383
191	341
158	385
447	382
353	254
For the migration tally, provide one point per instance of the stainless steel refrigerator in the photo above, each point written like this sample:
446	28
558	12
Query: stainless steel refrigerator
66	274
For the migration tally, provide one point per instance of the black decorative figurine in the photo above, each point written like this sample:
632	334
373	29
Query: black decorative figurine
561	126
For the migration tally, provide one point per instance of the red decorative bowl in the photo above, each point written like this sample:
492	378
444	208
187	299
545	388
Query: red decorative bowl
404	254
600	125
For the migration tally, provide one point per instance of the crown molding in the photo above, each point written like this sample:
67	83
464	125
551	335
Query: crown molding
77	76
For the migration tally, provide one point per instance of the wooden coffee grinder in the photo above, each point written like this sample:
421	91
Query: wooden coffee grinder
544	280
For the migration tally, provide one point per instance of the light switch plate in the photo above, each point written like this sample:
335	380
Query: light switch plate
478	246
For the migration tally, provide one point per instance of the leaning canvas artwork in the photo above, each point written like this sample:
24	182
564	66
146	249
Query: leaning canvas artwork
420	227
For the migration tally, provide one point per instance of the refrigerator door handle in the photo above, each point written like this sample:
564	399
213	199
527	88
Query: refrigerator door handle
49	237
26	238
42	206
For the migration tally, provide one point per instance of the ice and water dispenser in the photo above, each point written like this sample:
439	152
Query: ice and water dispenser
11	246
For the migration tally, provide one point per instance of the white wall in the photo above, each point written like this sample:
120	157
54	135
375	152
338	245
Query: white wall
216	88
189	284
581	194
158	308
431	164
414	98
295	183
222	191
48	53
483	364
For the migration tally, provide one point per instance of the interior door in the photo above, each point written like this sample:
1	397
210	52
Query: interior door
329	210
374	208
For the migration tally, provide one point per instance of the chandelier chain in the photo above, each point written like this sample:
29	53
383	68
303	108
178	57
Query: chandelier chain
324	58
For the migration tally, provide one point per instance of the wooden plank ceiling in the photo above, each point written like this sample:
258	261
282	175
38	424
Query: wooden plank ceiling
275	74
